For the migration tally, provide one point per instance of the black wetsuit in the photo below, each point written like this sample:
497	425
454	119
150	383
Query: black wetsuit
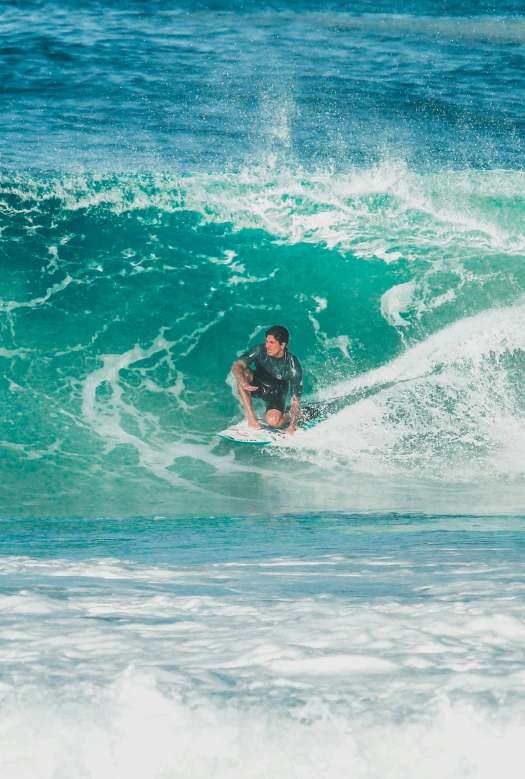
274	376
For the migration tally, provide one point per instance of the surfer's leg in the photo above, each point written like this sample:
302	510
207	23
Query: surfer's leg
275	410
246	398
275	418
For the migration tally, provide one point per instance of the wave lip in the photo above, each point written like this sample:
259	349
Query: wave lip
356	210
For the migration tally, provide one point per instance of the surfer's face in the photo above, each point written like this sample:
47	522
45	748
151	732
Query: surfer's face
273	347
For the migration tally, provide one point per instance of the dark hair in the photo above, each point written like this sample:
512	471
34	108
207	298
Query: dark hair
280	333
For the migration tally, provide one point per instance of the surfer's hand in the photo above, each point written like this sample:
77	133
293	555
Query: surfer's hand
248	387
289	430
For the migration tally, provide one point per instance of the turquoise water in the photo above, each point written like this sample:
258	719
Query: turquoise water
176	178
126	298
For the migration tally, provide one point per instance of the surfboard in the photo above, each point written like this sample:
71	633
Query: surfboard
242	434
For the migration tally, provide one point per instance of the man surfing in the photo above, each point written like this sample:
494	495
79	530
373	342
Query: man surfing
277	372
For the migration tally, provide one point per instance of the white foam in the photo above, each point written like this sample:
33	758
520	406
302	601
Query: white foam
233	618
173	670
446	407
132	730
396	301
334	664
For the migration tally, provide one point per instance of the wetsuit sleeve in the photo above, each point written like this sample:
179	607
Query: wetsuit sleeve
252	355
296	381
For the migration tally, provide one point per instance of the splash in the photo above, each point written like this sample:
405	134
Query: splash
451	406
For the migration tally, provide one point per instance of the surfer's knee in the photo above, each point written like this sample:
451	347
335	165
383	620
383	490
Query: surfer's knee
274	418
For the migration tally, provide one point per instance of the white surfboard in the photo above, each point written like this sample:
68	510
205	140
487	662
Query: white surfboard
242	434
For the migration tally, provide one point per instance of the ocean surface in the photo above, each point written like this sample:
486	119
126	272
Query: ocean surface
176	177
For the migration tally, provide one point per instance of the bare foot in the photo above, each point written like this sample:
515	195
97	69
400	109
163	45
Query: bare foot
254	424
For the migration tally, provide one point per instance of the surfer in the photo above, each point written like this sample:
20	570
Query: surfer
277	372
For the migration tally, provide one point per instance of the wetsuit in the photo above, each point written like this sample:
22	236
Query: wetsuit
274	376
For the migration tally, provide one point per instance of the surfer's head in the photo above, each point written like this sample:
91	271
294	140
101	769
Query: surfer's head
280	334
277	338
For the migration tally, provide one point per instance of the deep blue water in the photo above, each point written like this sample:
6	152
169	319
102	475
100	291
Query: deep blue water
160	85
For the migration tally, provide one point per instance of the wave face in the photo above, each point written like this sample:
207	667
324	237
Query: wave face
125	299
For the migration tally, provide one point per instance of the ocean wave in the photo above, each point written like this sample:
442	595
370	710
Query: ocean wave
126	298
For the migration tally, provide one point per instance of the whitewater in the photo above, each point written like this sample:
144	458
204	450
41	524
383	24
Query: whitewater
175	178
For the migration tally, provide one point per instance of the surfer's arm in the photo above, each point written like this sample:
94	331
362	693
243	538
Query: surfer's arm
241	367
239	371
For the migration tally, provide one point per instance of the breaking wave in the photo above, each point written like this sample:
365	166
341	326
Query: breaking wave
125	299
